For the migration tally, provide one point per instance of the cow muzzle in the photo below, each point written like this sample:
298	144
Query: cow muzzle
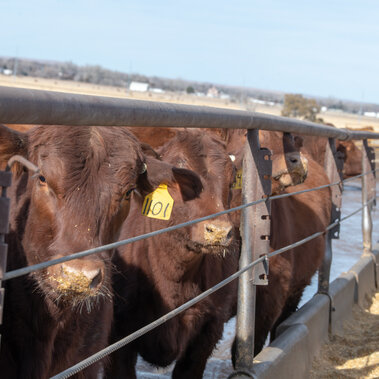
218	234
296	170
77	279
214	233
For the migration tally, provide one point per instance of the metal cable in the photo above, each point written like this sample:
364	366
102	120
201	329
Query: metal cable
140	332
27	270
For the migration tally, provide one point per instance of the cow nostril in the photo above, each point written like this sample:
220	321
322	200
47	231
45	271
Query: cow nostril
229	235
96	281
293	160
209	229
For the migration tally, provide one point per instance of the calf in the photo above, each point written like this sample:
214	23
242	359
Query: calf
161	273
58	316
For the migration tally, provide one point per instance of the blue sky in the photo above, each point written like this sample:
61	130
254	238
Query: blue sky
323	48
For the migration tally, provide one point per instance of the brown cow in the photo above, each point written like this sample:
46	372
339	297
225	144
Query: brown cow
161	273
58	316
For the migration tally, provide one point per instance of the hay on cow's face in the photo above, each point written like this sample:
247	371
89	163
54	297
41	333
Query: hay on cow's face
74	285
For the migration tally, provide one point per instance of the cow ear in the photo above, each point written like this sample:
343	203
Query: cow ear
12	143
148	150
189	183
158	172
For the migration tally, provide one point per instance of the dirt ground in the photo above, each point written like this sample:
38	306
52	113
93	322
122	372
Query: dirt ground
354	353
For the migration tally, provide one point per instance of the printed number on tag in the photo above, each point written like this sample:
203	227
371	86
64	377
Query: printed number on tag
158	204
238	182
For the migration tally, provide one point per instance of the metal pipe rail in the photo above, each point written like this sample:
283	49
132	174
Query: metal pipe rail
126	340
40	266
19	106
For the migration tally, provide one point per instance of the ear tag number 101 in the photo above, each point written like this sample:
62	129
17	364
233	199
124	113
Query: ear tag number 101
158	204
238	182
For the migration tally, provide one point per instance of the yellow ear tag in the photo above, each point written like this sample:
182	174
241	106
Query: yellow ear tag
158	204
238	182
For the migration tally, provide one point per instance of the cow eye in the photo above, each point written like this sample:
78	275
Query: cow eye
128	194
42	180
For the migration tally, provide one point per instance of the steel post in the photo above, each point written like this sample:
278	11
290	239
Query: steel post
255	231
368	194
333	168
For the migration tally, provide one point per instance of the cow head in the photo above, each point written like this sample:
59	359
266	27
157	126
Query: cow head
206	155
78	200
352	158
289	166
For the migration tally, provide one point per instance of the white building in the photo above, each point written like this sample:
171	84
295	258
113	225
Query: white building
370	114
156	90
138	86
7	71
212	92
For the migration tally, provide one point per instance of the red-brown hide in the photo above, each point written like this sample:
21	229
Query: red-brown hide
161	273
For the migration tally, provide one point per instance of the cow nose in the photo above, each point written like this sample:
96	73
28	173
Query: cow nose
218	234
293	159
95	277
82	278
297	163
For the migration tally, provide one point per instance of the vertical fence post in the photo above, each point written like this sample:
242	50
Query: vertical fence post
333	168
5	181
368	193
255	233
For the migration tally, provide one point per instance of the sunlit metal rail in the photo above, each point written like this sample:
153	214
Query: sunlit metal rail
28	106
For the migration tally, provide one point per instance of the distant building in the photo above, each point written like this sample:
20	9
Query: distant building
262	102
7	71
256	101
212	92
138	86
156	90
224	96
370	114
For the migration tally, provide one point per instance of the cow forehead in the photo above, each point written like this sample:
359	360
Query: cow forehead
72	156
201	152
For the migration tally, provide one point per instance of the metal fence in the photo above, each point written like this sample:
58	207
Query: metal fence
42	107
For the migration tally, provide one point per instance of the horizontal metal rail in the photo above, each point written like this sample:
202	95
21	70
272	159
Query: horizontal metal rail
27	270
18	106
121	343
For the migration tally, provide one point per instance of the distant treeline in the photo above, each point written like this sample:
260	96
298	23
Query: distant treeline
99	75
